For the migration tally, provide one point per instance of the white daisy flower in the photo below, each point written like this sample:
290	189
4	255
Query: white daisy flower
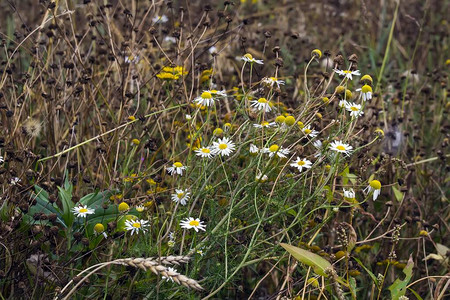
260	177
349	194
343	103
309	132
160	19
176	168
265	124
318	145
172	270
206	99
249	58
347	73
301	163
354	109
262	104
223	146
132	59
270	81
253	149
190	222
82	211
201	252
136	225
181	196
140	208
204	152
366	92
341	147
375	187
275	149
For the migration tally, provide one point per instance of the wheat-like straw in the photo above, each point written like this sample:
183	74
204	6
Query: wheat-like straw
153	264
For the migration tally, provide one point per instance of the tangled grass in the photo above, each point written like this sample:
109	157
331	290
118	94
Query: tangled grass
213	137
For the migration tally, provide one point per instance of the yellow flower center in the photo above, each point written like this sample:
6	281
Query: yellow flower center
301	163
137	225
206	150
213	91
262	100
340	147
194	223
99	228
280	119
273	78
178	164
223	146
375	184
248	55
290	120
206	95
273	148
354	108
366	89
180	195
83	210
307	131
264	123
347	71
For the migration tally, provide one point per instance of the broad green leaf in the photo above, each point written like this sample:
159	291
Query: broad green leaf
398	195
318	263
398	288
65	195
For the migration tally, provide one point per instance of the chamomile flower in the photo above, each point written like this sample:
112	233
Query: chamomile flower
366	92
196	224
82	211
223	146
135	226
205	99
318	145
253	149
270	81
249	58
160	19
275	149
349	194
354	109
204	152
99	228
347	73
341	147
172	272
300	163
201	252
176	168
262	104
309	132
343	103
265	124
132	59
375	187
140	208
260	177
180	196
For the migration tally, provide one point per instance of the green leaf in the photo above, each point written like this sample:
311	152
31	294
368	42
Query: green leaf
398	288
65	195
398	195
318	263
374	278
415	294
